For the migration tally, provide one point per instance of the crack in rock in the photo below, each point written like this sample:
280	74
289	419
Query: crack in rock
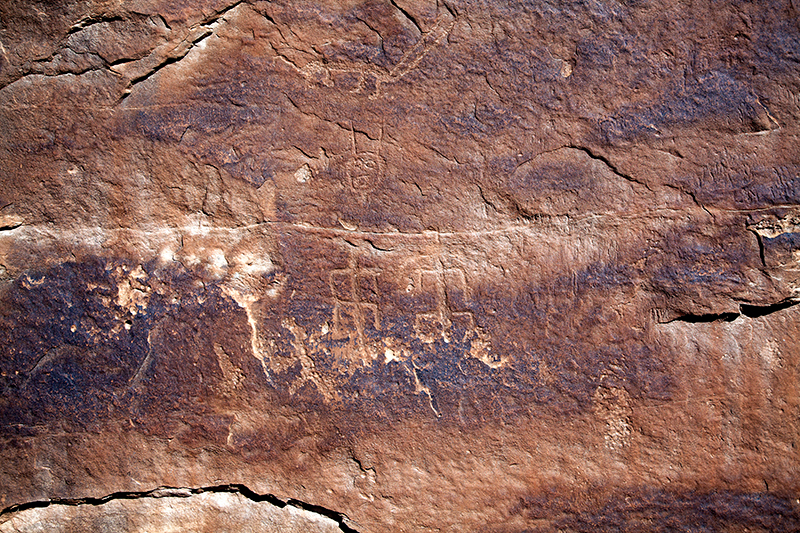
193	37
340	519
745	310
612	167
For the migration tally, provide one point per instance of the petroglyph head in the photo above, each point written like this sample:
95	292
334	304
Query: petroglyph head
364	171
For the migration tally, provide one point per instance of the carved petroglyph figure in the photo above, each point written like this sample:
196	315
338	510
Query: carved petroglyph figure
364	168
448	316
449	313
371	77
355	294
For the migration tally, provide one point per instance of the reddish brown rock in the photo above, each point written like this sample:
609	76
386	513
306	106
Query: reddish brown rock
412	266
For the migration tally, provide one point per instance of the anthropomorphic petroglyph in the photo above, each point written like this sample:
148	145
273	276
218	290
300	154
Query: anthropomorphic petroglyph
372	78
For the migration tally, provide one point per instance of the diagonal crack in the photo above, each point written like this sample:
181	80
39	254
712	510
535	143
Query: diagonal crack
609	164
409	16
186	492
169	60
186	45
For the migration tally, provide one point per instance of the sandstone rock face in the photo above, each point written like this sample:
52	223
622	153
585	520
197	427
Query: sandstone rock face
422	265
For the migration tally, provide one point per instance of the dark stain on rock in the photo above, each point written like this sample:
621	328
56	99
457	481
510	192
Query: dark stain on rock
76	353
657	510
713	100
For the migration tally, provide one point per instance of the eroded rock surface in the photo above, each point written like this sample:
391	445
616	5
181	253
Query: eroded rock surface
451	266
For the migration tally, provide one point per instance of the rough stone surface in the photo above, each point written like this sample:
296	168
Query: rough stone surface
428	265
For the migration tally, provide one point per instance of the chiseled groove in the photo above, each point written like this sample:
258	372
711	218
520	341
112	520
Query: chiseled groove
186	492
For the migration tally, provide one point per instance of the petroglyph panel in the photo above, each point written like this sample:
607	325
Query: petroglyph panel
425	265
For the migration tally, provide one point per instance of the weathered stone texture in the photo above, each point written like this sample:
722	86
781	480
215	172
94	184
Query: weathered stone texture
427	265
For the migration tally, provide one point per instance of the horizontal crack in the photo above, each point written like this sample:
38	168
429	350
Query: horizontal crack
707	317
755	311
91	21
745	310
185	492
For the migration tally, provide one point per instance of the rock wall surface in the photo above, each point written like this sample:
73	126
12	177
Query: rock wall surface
423	265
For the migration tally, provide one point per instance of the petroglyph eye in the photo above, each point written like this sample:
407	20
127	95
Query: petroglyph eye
367	163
